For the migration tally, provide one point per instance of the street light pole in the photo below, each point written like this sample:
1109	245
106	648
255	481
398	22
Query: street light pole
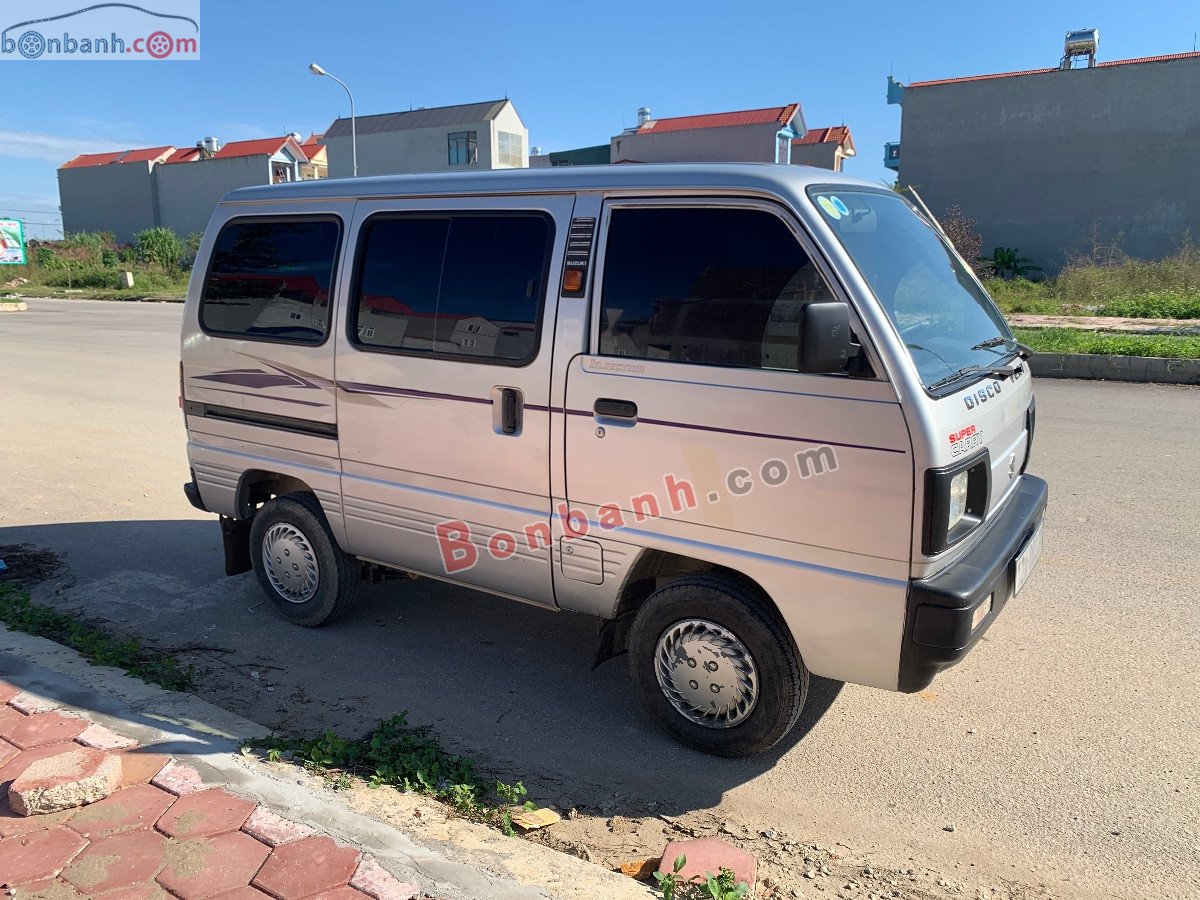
317	70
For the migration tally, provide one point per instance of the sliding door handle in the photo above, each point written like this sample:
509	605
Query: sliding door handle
615	409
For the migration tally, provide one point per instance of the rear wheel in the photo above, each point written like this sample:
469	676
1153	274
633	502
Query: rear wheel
306	575
714	666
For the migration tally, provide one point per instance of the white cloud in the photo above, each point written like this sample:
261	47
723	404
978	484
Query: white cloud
52	147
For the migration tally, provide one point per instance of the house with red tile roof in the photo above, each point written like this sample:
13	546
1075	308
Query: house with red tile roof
1052	161
128	191
748	135
825	148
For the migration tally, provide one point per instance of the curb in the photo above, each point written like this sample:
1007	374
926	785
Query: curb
1093	366
465	861
20	306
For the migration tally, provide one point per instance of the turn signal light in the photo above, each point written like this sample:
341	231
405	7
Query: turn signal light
572	281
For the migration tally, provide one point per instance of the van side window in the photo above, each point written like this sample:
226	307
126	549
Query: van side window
270	280
467	286
710	286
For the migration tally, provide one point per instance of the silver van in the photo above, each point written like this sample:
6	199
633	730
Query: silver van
761	420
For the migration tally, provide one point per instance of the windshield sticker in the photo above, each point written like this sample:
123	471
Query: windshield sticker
840	206
832	211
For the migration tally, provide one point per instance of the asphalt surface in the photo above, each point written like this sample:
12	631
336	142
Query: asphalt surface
1064	750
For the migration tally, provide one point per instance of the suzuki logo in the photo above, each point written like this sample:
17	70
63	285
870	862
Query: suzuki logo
983	395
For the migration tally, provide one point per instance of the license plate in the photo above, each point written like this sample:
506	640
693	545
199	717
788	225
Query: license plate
1027	559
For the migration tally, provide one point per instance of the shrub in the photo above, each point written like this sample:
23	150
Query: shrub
961	232
159	247
46	258
109	258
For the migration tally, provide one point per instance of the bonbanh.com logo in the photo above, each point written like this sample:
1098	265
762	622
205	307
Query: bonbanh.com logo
110	31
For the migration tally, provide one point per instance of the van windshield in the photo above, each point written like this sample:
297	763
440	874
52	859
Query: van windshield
949	324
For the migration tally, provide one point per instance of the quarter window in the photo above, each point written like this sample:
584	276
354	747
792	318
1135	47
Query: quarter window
720	287
464	148
270	280
453	286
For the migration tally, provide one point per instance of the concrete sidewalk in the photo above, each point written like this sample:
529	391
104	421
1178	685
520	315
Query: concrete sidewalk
1106	323
194	818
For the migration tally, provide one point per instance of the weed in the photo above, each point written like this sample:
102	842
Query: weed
723	886
410	759
99	647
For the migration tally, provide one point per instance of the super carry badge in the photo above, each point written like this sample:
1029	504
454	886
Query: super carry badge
831	208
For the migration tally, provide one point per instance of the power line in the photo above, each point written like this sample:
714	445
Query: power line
40	212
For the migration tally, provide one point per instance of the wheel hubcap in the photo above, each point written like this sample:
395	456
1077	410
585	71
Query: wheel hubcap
706	673
290	563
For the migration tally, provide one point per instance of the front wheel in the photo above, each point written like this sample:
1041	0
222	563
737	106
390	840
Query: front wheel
306	575
714	666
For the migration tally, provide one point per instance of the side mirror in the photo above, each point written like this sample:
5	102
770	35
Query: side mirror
825	345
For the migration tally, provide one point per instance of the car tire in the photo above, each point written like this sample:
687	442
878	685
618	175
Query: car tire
309	579
702	621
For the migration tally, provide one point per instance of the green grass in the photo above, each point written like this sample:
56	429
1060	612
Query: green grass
19	613
1109	343
1168	288
410	759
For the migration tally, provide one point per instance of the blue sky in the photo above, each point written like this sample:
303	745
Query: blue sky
576	72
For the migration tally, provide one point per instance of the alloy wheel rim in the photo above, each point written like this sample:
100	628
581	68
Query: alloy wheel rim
706	673
290	563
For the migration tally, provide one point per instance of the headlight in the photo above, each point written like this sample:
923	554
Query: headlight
956	500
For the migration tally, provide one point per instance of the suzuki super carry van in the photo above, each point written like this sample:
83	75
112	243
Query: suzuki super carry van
761	420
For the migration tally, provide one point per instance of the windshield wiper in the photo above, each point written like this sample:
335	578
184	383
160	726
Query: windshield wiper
1002	341
997	371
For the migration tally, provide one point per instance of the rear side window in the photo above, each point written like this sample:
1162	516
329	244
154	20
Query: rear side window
271	280
469	286
719	287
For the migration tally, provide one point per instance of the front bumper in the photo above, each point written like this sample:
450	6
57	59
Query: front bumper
937	626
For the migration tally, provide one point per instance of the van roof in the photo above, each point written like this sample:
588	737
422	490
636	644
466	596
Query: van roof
765	177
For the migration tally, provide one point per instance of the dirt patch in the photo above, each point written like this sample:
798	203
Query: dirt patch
789	866
28	566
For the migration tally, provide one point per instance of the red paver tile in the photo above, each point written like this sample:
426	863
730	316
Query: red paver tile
139	767
273	829
7	752
178	779
9	717
205	814
139	806
117	862
246	893
71	779
44	728
104	738
39	854
339	893
12	823
8	691
375	881
307	867
204	867
19	763
708	855
147	890
32	703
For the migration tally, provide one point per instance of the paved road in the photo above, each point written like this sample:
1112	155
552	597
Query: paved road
1064	749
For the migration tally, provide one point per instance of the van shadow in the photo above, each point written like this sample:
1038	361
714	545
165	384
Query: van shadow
505	683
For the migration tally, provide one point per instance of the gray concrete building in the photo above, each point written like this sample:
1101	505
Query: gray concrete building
1050	160
486	135
132	190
